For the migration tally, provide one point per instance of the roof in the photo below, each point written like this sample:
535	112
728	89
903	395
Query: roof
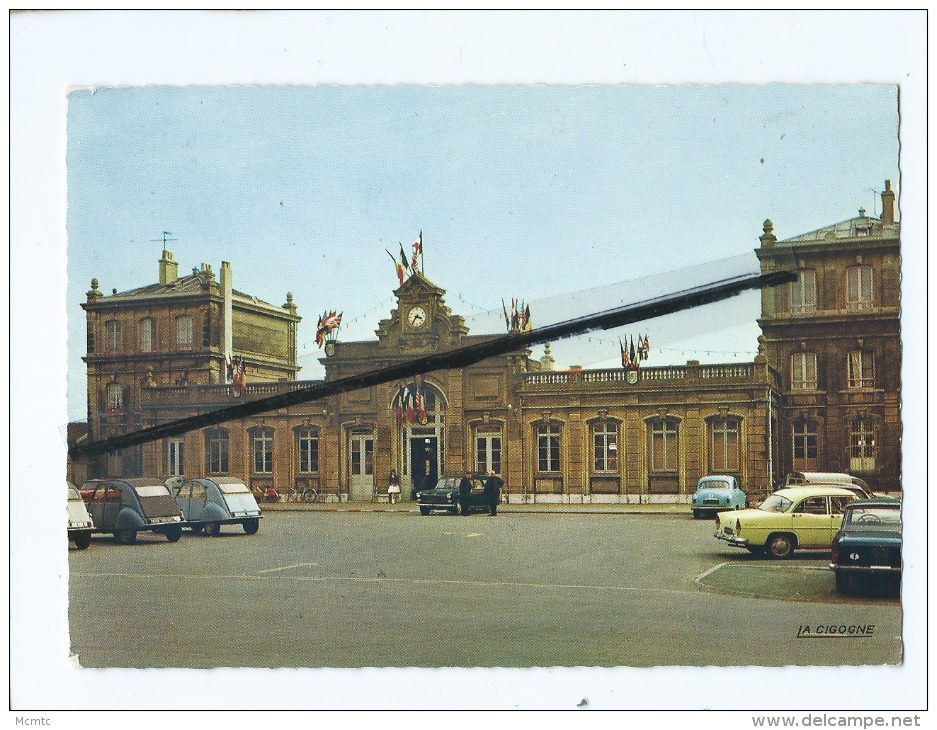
183	286
858	227
814	490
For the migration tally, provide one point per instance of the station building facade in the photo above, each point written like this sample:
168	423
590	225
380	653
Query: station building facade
576	435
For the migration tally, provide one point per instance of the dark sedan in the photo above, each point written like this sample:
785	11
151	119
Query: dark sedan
867	548
445	496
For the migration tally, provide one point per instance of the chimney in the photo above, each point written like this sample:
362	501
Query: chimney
168	268
227	326
888	205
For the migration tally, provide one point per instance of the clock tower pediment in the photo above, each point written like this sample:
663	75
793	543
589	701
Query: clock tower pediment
421	318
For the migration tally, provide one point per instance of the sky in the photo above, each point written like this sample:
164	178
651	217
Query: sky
519	191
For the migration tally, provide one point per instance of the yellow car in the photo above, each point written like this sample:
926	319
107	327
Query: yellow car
790	519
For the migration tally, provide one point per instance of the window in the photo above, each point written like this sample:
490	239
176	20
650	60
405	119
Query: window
114	396
184	332
862	442
724	442
605	447
804	371
217	451
805	446
812	506
861	370
548	447
488	452
664	445
147	334
804	292
308	439
263	452
176	457
112	335
859	287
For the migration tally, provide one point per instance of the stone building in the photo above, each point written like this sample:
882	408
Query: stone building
823	392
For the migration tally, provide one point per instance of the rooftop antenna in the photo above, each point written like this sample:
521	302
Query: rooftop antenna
874	201
164	239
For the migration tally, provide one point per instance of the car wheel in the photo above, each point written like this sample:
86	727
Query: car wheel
126	537
212	529
781	546
454	510
424	510
251	526
82	541
174	533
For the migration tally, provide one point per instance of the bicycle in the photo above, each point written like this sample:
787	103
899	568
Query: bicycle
302	494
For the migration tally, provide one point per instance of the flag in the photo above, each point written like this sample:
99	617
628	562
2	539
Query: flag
528	325
634	358
240	378
625	360
401	267
420	241
409	405
507	320
417	247
229	368
420	406
646	346
403	259
401	395
513	315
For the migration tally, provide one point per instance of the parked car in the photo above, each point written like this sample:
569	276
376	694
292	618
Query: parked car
80	524
867	549
445	496
210	503
128	506
716	493
790	519
846	481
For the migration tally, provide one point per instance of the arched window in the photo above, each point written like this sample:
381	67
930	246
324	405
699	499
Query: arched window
147	334
605	446
307	442
548	447
262	450
663	440
112	336
858	288
184	332
114	396
217	444
724	444
862	444
805	445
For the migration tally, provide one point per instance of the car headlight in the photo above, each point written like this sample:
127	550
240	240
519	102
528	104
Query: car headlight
419	495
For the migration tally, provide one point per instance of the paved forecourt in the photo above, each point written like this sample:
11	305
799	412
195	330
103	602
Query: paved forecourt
318	588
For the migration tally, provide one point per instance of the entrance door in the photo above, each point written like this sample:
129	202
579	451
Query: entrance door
176	457
361	450
424	462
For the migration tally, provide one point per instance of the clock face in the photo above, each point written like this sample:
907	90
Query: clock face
416	317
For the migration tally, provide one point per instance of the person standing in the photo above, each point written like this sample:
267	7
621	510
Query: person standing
393	487
465	491
493	486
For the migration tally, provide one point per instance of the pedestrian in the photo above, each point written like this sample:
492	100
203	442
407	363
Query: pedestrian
465	490
493	486
393	487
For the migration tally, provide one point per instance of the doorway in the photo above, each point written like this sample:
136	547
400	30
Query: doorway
361	451
424	461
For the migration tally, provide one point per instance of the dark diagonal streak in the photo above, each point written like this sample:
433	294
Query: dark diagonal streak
459	358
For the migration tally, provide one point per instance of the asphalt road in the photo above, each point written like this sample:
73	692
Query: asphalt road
395	589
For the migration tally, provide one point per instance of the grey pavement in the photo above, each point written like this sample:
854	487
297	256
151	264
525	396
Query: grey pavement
506	507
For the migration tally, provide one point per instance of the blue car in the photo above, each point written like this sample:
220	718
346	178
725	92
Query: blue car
717	493
210	503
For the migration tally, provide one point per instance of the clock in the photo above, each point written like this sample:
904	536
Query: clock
416	317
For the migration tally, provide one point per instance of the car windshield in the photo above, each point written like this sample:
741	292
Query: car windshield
234	488
713	484
151	490
775	503
874	518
